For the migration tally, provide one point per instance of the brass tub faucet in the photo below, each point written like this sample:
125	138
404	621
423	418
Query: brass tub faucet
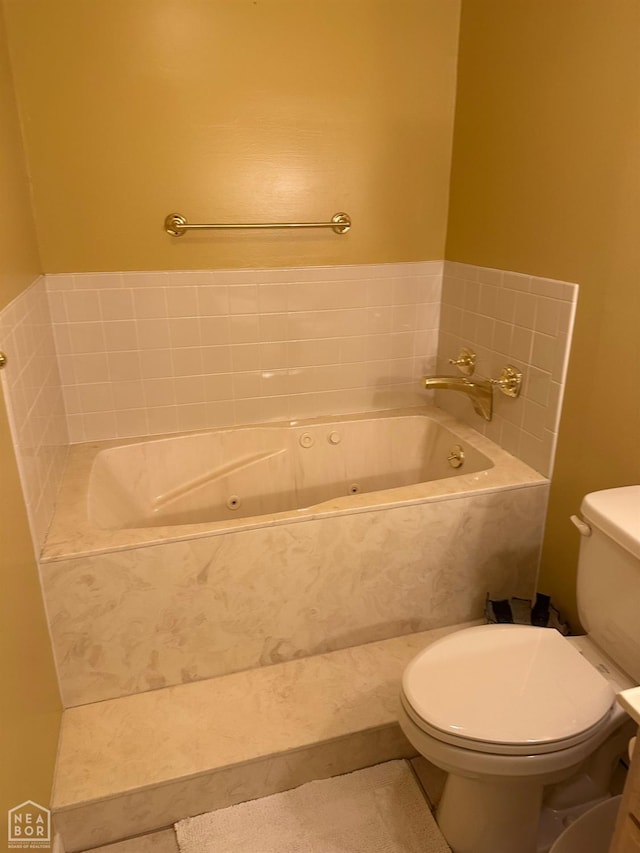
478	389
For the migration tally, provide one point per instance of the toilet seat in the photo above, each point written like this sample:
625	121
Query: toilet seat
506	750
506	689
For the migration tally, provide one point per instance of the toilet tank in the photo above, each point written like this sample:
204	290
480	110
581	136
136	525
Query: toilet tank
609	575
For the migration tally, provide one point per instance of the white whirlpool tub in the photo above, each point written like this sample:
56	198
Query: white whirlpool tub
250	472
190	556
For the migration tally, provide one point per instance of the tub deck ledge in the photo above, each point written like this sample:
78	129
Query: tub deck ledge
140	763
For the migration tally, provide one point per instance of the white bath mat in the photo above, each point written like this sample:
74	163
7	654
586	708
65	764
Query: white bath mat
377	810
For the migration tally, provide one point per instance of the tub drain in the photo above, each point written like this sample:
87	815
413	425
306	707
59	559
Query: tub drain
354	488
233	502
456	456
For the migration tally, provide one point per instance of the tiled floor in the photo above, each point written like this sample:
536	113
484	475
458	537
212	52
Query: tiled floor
430	777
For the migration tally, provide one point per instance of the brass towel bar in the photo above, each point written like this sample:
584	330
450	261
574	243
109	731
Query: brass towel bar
176	225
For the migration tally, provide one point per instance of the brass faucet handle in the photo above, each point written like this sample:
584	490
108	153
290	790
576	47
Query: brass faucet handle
510	381
465	362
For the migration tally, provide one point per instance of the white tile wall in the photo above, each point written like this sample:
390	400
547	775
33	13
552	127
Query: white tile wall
32	394
148	353
507	317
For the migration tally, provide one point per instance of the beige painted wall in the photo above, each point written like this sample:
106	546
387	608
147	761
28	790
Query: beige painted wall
30	705
19	261
546	180
236	110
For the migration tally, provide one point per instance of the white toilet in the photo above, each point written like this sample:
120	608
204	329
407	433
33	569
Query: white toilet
509	709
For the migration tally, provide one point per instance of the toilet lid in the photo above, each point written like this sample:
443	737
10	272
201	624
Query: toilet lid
506	684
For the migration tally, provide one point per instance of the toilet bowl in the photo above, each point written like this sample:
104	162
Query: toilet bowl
516	709
509	710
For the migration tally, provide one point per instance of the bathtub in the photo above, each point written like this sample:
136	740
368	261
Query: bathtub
189	556
252	472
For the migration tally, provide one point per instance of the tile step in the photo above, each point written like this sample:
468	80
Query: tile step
140	763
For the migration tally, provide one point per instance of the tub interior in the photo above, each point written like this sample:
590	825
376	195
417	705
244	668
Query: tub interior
253	471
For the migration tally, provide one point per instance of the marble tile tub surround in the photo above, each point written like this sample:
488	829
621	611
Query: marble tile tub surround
227	740
145	353
35	407
510	318
149	617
